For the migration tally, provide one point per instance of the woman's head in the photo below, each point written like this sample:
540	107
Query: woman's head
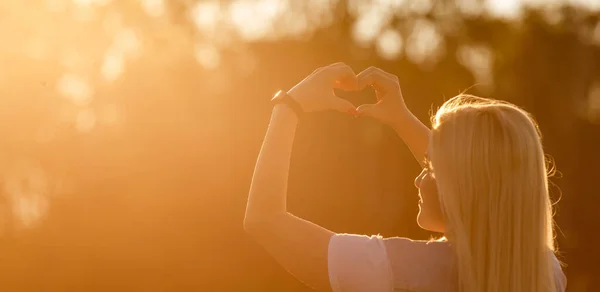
487	167
430	215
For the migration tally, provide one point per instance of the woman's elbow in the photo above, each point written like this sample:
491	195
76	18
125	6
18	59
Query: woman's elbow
253	224
257	224
249	225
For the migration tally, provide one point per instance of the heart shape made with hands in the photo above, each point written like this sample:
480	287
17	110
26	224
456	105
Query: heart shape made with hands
372	82
358	97
331	87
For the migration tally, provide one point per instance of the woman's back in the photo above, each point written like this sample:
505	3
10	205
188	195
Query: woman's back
361	263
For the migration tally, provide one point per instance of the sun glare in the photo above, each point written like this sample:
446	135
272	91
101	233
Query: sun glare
154	8
478	59
425	44
369	24
255	19
208	56
27	186
87	46
389	44
75	88
507	9
86	120
206	15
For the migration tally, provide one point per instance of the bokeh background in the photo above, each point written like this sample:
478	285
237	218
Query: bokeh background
129	129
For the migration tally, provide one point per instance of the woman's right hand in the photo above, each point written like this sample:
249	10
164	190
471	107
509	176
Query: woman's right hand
390	106
391	110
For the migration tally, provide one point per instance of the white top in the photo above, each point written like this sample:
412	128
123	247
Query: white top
359	263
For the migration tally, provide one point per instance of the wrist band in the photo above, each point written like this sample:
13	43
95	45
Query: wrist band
282	97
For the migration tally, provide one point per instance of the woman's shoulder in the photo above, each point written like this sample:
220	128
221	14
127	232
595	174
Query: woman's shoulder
379	264
422	264
359	263
438	251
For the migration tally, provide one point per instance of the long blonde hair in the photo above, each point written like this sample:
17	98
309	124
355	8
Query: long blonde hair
492	181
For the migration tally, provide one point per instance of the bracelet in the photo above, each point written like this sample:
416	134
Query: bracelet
282	97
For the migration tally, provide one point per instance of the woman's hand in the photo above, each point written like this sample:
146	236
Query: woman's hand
390	106
391	110
315	92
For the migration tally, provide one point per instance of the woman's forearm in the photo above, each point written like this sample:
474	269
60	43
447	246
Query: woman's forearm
414	133
268	190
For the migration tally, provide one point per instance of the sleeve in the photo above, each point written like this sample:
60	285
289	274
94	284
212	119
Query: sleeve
421	265
359	263
560	278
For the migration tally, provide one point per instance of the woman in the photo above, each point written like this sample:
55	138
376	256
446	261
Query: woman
483	185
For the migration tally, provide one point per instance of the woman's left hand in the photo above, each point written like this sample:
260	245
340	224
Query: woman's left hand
315	92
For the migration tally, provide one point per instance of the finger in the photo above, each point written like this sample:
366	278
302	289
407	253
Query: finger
379	81
343	105
341	76
346	83
389	75
317	71
325	67
367	110
381	71
366	71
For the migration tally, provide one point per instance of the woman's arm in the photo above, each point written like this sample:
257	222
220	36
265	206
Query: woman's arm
414	133
298	245
391	110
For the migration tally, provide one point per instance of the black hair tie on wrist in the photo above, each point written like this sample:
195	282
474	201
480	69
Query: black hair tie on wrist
282	97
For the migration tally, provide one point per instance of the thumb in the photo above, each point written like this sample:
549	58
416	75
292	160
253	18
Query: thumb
342	105
367	110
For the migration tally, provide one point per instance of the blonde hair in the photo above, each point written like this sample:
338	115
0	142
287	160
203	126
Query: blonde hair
492	181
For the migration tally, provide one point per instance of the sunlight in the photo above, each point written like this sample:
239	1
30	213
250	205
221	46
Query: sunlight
206	16
421	6
478	59
112	22
394	4
75	88
295	23
425	43
389	44
113	66
592	5
596	35
127	42
357	7
208	56
319	12
553	15
368	26
254	20
593	104
26	186
470	7
4	223
91	2
506	9
37	48
45	134
86	120
371	133
154	8
109	114
56	5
